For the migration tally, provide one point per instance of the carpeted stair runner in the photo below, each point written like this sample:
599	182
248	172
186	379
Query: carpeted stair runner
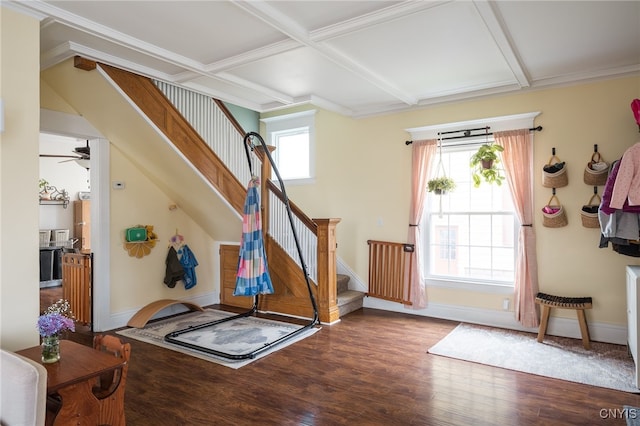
348	300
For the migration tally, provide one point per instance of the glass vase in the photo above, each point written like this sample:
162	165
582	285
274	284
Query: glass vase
50	349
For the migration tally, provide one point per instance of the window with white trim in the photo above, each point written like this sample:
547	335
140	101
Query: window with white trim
293	136
469	233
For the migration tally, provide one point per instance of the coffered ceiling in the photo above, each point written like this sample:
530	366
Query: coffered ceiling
358	58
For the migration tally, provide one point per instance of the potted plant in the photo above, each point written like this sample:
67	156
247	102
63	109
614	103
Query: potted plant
45	192
441	185
485	165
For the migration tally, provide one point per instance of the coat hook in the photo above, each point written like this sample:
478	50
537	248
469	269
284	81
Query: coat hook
595	190
595	147
553	191
553	151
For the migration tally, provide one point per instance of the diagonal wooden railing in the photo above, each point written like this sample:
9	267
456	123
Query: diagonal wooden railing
319	236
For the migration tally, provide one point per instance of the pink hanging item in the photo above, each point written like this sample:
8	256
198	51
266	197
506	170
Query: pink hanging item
635	107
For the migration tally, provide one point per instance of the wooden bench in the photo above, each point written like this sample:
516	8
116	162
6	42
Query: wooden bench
548	301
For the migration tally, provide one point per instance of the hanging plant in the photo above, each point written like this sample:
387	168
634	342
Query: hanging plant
485	165
441	185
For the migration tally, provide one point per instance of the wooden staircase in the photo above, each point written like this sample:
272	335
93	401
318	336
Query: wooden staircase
348	300
292	296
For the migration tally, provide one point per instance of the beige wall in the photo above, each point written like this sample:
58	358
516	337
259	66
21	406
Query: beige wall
155	178
136	282
19	89
363	176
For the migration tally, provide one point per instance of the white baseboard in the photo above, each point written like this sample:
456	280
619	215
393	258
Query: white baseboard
558	326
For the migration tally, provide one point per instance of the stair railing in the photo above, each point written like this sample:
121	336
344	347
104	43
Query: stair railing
211	123
280	230
211	120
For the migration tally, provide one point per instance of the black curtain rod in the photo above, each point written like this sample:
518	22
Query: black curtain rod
467	133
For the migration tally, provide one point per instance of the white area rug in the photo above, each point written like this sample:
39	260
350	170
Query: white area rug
604	365
236	337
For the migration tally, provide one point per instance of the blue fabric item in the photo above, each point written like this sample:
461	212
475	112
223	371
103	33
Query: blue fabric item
253	273
189	263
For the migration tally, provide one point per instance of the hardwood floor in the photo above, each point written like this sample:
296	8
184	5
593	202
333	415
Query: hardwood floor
372	368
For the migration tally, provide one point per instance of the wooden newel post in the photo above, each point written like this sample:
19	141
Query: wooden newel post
327	296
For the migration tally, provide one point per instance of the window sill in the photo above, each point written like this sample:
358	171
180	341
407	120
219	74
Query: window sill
478	287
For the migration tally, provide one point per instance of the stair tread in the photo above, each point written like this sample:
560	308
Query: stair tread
348	296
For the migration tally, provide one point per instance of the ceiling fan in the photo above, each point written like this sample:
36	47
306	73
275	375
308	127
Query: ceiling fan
82	157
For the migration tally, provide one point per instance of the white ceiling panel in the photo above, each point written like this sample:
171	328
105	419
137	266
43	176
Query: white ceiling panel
303	73
432	67
559	38
204	31
315	15
354	57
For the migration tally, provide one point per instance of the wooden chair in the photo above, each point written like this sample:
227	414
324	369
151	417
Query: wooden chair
110	387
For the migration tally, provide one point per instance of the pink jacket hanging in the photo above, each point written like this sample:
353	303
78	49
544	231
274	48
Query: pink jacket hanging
627	185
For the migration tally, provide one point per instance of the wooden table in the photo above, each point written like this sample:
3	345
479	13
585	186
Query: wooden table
72	378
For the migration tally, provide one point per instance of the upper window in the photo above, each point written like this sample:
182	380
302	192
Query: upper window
293	136
469	233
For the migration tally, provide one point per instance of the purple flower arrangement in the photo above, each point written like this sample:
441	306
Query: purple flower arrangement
54	323
57	318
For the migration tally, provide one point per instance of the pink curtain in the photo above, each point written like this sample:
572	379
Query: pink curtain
518	164
422	154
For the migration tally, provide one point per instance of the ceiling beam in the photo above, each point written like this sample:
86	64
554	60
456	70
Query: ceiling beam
496	26
291	29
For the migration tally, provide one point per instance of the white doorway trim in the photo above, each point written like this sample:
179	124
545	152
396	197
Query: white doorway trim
64	124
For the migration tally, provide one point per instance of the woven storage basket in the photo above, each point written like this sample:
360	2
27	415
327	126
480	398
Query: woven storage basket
590	220
59	235
557	179
45	237
596	177
557	219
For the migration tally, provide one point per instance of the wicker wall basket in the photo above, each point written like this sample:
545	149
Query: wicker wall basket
590	220
557	217
596	171
589	212
556	179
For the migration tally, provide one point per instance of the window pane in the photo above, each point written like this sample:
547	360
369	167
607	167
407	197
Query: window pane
470	231
503	231
480	262
292	153
480	230
293	158
293	136
502	264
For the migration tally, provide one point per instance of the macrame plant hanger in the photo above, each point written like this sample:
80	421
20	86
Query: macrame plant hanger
174	337
440	168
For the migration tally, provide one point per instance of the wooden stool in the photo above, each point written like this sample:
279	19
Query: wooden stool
548	301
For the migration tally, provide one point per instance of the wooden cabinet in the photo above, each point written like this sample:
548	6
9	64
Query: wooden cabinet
633	319
228	270
82	225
